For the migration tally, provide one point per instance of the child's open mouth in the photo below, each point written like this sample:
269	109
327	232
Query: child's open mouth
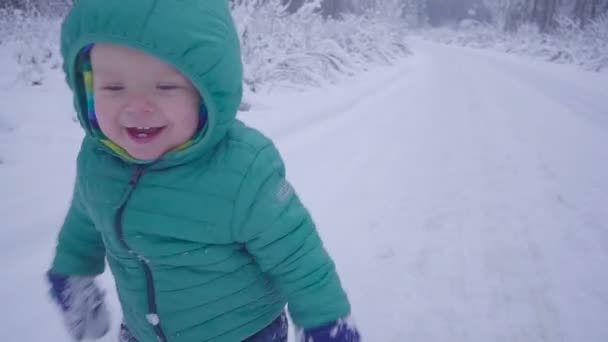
144	134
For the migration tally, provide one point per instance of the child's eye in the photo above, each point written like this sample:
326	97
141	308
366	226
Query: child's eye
113	87
167	86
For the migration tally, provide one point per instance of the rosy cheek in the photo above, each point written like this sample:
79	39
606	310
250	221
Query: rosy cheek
105	109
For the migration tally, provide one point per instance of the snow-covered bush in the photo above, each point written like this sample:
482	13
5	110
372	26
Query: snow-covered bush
588	47
33	42
567	44
305	49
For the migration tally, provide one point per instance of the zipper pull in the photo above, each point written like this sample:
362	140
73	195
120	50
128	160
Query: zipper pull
136	175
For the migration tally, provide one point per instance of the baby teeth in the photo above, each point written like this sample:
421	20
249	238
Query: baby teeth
142	132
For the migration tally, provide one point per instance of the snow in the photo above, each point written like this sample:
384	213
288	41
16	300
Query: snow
303	49
461	192
567	44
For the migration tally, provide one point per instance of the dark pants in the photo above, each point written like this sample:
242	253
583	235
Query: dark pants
274	332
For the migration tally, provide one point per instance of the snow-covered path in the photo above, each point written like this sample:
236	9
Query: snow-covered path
462	193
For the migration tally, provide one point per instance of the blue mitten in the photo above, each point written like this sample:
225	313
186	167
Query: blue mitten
343	330
82	305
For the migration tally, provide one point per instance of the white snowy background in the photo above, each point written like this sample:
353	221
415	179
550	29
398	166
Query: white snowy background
461	188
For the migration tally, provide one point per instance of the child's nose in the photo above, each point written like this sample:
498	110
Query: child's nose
139	104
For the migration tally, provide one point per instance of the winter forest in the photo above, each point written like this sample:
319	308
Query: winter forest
451	152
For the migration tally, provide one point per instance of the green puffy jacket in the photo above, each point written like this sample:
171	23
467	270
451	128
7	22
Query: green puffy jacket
210	241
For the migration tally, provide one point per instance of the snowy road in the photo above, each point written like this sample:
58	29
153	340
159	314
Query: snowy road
465	197
463	194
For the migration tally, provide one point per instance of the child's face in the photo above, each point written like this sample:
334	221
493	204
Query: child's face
142	104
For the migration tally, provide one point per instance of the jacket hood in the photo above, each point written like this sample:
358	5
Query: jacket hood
197	37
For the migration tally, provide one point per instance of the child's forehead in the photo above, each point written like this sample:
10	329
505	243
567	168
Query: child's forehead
108	58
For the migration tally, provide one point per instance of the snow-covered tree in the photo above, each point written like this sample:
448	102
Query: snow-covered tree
586	11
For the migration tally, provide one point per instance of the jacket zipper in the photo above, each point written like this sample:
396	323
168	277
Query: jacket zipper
152	315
